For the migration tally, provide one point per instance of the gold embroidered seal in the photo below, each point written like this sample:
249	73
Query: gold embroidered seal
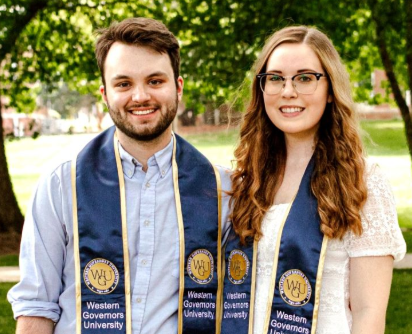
238	266
200	266
101	276
295	288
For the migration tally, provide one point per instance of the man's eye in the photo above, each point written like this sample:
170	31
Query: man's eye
274	78
123	84
155	82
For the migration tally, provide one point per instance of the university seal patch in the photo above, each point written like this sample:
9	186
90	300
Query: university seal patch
101	276
200	266
295	288
238	266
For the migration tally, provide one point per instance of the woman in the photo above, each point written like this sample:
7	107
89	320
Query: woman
322	217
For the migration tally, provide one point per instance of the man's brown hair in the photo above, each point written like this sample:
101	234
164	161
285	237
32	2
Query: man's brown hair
138	31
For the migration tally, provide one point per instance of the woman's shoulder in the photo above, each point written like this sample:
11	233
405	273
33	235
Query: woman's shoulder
377	182
381	232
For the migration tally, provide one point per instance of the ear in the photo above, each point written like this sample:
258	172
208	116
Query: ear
180	85
330	98
103	93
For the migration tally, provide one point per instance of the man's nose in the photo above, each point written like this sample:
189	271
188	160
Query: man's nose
140	94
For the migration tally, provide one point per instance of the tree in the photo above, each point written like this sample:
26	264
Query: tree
49	41
393	36
12	25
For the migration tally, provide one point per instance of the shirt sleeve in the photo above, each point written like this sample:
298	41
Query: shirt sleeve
42	253
381	232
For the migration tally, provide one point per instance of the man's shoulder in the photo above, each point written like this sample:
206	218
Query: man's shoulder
60	171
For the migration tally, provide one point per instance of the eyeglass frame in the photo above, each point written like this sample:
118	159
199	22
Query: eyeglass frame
292	77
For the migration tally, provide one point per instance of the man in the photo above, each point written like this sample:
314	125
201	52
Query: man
127	237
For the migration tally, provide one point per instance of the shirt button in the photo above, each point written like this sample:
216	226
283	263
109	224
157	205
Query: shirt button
144	262
163	172
147	223
139	300
129	173
147	185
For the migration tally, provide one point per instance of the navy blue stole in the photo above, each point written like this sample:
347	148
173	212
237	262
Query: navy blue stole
200	253
297	272
100	238
102	269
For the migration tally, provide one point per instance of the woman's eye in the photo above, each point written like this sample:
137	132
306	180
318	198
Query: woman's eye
274	78
305	78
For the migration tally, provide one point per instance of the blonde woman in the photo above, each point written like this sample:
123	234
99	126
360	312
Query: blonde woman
322	218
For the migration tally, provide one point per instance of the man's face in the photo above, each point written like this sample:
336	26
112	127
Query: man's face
140	91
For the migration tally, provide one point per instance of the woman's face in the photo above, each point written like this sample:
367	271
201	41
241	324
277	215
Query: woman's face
297	115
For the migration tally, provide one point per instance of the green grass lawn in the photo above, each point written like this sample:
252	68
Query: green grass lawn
398	317
384	141
7	323
9	260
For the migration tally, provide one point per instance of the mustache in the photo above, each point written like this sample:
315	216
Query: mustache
142	105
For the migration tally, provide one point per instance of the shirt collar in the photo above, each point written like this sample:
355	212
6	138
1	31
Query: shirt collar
162	159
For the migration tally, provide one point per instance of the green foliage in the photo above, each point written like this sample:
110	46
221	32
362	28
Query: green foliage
65	100
220	40
51	41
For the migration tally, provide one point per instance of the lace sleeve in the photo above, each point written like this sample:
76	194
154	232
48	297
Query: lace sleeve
381	233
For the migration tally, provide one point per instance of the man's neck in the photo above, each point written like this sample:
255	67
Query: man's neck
143	150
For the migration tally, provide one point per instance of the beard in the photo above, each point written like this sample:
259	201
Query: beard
144	132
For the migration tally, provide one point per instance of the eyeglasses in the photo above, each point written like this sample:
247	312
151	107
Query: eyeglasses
304	83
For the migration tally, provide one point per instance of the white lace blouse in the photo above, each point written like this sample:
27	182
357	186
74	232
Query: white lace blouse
381	236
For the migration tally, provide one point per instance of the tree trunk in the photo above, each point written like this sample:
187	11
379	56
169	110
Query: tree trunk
11	218
389	68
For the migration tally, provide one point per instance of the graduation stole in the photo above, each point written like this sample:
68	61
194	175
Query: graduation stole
296	275
103	303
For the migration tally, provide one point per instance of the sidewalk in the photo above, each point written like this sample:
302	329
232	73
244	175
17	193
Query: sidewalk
12	274
9	274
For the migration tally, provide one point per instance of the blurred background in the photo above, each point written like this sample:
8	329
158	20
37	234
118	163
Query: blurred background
50	103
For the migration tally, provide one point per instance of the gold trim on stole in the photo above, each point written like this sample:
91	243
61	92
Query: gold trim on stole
175	172
76	249
124	235
253	288
219	253
181	238
319	284
222	282
274	270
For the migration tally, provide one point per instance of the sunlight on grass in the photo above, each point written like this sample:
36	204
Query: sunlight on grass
7	323
385	143
398	317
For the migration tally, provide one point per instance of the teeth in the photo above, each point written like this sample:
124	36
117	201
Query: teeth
291	110
142	112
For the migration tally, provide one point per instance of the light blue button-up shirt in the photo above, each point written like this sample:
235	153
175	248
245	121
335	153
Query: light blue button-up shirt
47	286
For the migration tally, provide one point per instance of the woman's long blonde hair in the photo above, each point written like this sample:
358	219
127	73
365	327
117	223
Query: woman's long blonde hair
338	178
